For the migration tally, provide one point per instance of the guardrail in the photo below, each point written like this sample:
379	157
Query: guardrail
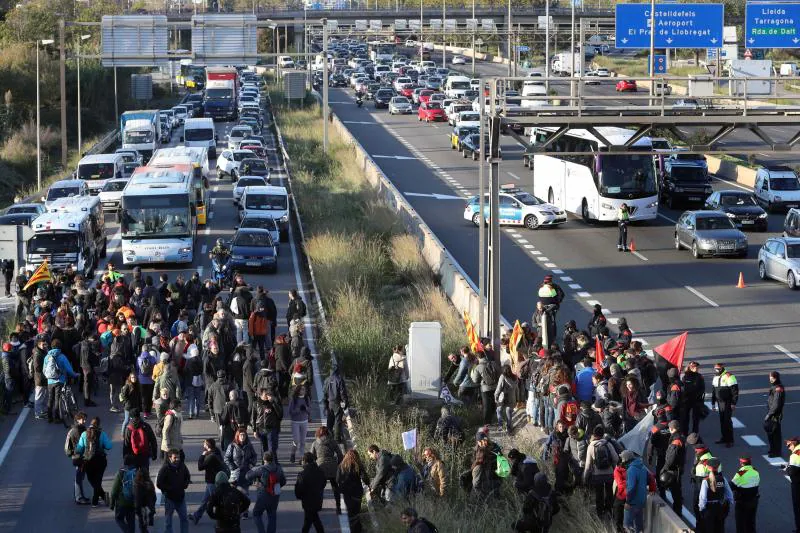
104	143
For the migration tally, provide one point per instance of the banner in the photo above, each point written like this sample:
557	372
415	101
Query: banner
410	439
42	274
636	439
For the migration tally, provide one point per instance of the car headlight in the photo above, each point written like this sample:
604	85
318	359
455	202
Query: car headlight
237	257
652	204
607	206
185	250
284	218
706	242
730	215
762	215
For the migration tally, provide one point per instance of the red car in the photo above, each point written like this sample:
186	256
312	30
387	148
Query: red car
256	149
407	91
626	85
430	111
425	96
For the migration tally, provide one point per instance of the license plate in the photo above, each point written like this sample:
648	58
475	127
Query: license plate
252	263
748	221
726	247
694	198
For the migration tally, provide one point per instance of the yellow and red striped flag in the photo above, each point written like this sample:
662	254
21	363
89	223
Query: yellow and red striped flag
42	274
474	342
513	340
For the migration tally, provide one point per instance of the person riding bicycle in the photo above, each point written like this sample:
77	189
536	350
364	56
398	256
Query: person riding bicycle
56	369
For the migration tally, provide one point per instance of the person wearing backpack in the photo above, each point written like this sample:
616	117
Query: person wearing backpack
398	373
539	507
270	480
486	375
118	370
145	364
227	505
173	479
296	307
485	482
70	443
56	368
123	496
328	456
601	458
139	440
40	386
211	464
92	448
414	523
335	400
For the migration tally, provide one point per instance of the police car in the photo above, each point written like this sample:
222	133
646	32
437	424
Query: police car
517	207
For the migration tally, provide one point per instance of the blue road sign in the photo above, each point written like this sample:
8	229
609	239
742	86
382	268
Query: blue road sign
660	63
523	48
772	26
677	25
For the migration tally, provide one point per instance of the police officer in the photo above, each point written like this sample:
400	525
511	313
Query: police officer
793	471
699	472
674	462
656	454
551	296
623	218
694	391
745	495
725	392
715	498
772	422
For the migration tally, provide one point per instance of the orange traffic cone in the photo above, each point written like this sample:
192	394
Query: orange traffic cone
632	247
741	284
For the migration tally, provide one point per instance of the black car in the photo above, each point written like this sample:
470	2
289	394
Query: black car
17	219
338	80
254	166
372	88
196	101
470	145
382	98
741	208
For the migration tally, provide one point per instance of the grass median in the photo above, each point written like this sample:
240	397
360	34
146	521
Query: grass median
373	282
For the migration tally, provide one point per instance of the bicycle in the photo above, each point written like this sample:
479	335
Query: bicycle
67	406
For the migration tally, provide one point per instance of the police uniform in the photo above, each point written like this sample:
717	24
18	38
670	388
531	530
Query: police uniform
772	422
657	450
623	217
745	495
713	503
699	473
793	471
694	390
674	461
725	392
548	296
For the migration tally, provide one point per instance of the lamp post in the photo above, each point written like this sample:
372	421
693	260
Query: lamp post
78	62
444	33
43	42
475	25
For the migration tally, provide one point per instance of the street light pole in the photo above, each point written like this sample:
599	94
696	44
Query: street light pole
474	26
78	62
508	38
547	45
444	33
43	42
572	53
325	86
652	46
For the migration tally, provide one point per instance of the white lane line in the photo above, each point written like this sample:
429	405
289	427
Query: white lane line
640	256
535	252
753	440
213	201
208	230
787	352
606	311
566	278
543	258
522	240
215	188
612	320
702	296
575	286
774	461
9	442
593	302
200	271
210	216
557	271
737	424
550	265
514	176
665	217
529	247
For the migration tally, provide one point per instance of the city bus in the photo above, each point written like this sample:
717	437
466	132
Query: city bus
191	76
158	217
193	160
594	186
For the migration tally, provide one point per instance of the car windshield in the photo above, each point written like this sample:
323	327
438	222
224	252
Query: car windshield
54	193
239	132
252	238
661	145
434	105
53	243
199	134
250	182
459	85
784	184
689	173
400	100
737	199
255	164
21	209
240	156
711	223
474	139
128	157
528	199
793	251
96	171
275	202
138	137
114	186
690	157
470	117
384	93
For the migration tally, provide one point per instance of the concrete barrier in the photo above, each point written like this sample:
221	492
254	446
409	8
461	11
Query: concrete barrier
731	171
457	50
660	518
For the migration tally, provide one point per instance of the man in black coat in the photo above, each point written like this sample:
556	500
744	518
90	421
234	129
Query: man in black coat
224	494
309	490
694	391
524	469
7	268
335	401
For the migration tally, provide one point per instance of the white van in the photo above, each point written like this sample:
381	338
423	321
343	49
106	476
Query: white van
96	169
529	92
790	69
456	86
285	62
199	132
268	200
64	189
777	187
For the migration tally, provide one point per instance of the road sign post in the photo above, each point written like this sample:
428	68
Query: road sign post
772	25
677	25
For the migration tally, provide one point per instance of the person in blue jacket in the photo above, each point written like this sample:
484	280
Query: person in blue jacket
636	488
405	480
56	375
93	446
584	388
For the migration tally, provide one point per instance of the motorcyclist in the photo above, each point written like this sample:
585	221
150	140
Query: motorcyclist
219	255
359	98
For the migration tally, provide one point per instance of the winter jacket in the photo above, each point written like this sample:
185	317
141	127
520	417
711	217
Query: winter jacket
577	449
283	357
484	480
63	364
328	455
296	307
103	448
88	354
694	387
130	396
334	392
383	471
434	474
480	375
118	499
211	464
38	367
584	388
507	387
351	484
265	379
310	486
249	370
218	394
524	472
405	482
638	480
588	419
173	480
169	380
152	443
260	476
266	415
396	377
171	436
296	413
258	324
591	470
240	459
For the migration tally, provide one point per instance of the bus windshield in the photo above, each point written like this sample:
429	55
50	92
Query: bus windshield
96	171
156	216
627	176
53	243
219	94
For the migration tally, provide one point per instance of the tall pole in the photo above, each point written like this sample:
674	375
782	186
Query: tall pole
116	98
38	126
508	37
325	85
494	213
572	53
444	33
547	45
421	41
653	45
78	63
482	226
475	24
62	59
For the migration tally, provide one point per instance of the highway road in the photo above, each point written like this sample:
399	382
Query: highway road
36	488
661	292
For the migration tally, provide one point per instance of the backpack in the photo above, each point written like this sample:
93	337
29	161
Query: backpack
396	374
602	457
91	447
146	366
490	373
430	525
127	484
273	483
544	511
51	368
139	444
503	467
194	366
229	505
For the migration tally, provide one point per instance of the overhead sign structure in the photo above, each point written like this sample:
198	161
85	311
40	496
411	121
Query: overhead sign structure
772	25
487	24
472	24
361	25
523	48
435	24
450	24
676	25
333	24
224	39
134	40
375	24
414	24
400	24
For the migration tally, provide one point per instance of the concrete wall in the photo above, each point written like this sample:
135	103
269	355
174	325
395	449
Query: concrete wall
731	171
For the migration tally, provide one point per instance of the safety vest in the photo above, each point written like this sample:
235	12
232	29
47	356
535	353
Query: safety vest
794	459
746	478
547	291
700	469
726	379
623	215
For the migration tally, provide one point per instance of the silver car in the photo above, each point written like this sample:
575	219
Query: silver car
399	105
709	233
779	259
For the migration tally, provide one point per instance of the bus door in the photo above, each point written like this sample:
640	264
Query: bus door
200	184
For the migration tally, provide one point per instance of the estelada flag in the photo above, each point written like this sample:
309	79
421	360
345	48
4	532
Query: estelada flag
673	350
513	340
42	274
474	342
599	354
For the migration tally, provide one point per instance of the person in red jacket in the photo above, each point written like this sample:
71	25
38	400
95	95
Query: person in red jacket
620	484
259	329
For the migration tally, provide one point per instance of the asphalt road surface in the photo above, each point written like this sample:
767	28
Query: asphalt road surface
36	478
662	292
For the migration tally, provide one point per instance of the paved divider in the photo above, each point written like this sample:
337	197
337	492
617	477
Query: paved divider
458	50
731	171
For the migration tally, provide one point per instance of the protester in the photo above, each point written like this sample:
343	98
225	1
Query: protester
266	420
601	458
270	481
122	499
335	400
309	490
398	373
414	523
350	476
383	471
70	445
139	440
240	457
171	434
210	463
92	447
300	413
227	505
173	480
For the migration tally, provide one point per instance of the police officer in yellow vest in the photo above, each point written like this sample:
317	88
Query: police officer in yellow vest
623	218
700	471
725	392
793	471
551	296
745	495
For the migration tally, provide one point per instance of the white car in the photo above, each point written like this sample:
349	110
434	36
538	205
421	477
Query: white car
518	208
130	156
236	135
459	60
399	82
686	103
475	84
180	114
111	194
603	73
400	105
229	161
246	181
411	42
467	119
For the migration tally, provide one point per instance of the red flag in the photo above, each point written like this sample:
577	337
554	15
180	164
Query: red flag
599	354
472	336
673	350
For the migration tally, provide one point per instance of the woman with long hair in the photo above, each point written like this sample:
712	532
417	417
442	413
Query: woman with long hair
505	398
351	476
93	446
328	456
716	498
299	411
131	398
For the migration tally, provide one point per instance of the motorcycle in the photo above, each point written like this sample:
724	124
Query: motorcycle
220	271
359	101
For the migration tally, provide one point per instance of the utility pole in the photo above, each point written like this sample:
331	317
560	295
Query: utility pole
482	328
444	33
652	60
508	37
325	85
547	46
63	83
572	53
494	214
474	27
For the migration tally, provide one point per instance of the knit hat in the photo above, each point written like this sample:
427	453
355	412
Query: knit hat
220	479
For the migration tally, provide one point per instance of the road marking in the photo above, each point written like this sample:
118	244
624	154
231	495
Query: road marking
702	296
575	286
522	240
9	442
535	252
640	256
557	271
200	271
665	217
403	157
593	302
210	216
204	249
737	424
529	247
208	230
216	188
550	265
566	278
213	201
753	440
612	320
543	258
514	176
787	352
687	515
774	461
606	311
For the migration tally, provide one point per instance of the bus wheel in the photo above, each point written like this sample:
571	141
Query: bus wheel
585	211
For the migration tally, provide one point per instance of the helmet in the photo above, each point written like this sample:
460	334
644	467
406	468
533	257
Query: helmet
219	242
667	477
